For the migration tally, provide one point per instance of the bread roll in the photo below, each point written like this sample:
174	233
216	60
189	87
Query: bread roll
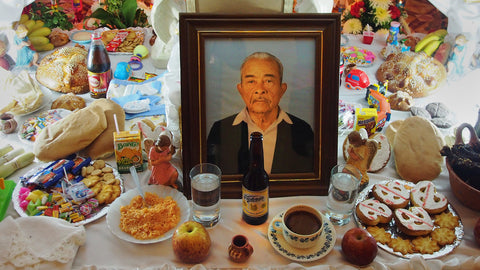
415	73
416	147
103	146
65	70
70	134
69	102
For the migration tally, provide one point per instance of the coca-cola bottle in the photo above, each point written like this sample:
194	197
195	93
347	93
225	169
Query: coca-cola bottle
255	184
98	66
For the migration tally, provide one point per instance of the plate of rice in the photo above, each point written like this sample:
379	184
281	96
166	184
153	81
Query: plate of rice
150	221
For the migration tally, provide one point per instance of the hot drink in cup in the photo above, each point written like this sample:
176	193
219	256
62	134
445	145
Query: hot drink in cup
301	226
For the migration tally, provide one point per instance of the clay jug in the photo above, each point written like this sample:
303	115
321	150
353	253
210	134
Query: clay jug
239	250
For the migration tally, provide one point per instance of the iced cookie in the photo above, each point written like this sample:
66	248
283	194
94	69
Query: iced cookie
394	194
371	212
414	221
425	195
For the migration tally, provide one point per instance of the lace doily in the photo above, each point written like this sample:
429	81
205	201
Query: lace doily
39	242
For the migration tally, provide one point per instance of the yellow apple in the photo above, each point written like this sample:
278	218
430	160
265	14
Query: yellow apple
191	242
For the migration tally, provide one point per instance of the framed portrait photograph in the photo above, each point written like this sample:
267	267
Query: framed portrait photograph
277	74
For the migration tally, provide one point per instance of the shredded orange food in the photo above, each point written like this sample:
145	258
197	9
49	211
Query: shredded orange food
151	219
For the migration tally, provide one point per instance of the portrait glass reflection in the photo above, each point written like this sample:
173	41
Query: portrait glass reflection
266	85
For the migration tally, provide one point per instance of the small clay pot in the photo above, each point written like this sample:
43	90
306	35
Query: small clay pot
8	123
240	250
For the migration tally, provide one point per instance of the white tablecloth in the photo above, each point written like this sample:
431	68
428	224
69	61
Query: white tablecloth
103	250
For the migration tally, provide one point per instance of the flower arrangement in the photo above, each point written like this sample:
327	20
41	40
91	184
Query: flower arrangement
378	14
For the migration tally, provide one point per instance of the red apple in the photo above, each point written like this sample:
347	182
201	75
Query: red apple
359	247
191	242
476	232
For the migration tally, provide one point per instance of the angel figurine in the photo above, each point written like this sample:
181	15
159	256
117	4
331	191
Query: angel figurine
26	57
361	153
160	153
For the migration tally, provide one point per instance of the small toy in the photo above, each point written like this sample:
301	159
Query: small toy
356	79
455	61
26	57
123	71
139	53
159	156
376	99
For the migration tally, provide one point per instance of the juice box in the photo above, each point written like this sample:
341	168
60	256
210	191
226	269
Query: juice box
128	150
366	118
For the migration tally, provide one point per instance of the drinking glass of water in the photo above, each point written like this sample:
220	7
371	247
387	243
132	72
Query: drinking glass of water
342	193
205	181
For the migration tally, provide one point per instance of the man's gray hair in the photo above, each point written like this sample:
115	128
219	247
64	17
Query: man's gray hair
265	56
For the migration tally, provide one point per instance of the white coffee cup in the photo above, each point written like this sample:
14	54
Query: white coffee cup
301	226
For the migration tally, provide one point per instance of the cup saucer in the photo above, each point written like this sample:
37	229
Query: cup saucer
325	243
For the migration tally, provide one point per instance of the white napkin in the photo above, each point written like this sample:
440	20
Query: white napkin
39	242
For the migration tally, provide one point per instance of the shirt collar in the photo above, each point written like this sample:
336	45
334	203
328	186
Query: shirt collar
243	116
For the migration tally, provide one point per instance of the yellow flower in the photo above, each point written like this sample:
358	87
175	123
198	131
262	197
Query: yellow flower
382	16
352	26
384	4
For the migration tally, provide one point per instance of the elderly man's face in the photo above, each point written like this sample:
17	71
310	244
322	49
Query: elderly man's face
260	88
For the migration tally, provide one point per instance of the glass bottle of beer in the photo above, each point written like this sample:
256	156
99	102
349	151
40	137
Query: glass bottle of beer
255	184
98	66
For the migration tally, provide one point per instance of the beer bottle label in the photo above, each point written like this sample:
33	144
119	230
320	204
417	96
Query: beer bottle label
98	82
255	203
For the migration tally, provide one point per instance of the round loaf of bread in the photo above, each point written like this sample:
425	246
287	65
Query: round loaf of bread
416	148
69	102
64	70
414	73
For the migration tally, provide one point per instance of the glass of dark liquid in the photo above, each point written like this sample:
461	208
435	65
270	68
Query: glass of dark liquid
205	182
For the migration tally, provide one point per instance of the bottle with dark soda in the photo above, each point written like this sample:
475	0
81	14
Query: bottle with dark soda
255	185
98	66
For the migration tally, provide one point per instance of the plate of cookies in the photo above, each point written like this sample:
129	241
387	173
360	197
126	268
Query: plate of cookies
408	219
75	189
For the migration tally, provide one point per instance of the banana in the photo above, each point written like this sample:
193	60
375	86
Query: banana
432	46
436	35
41	32
29	23
44	47
38	24
39	41
23	18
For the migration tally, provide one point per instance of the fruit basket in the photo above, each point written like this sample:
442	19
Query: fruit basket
466	193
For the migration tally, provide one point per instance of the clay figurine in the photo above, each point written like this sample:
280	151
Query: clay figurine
159	157
361	152
455	61
26	57
5	60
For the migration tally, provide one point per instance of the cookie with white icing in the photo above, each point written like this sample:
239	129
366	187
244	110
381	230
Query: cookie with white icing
414	221
393	193
425	195
371	212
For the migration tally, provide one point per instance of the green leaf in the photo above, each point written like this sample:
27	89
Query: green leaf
129	8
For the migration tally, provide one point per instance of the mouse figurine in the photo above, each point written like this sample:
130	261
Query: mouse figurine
160	154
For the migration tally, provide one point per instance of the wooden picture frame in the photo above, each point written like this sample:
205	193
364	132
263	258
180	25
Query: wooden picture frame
316	38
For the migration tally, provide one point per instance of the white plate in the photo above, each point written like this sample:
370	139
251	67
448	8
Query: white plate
83	34
61	113
101	212
325	243
392	228
113	215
